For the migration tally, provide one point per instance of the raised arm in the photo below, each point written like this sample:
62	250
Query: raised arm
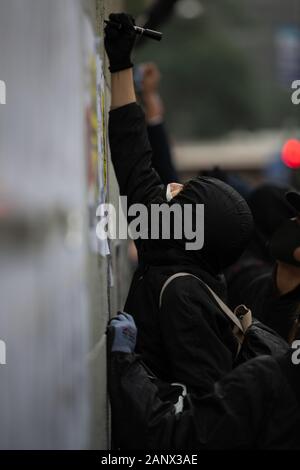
122	89
130	149
162	158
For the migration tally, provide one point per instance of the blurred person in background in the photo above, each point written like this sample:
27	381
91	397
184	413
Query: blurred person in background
147	78
267	277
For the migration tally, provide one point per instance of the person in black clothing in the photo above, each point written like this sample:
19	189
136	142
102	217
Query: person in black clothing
269	285
184	335
255	280
187	338
147	78
256	406
279	309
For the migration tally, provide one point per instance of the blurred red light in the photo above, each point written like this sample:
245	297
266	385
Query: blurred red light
290	153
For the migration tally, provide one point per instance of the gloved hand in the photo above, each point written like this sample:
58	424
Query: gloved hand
122	333
119	43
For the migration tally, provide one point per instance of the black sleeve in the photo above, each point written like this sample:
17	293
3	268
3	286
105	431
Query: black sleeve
162	157
132	156
234	415
140	420
279	312
194	333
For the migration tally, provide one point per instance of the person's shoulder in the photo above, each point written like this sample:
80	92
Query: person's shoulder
182	288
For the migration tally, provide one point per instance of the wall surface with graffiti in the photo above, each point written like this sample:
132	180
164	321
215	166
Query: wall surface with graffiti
59	283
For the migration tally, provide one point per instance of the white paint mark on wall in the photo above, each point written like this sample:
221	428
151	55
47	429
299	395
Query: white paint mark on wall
2	92
2	353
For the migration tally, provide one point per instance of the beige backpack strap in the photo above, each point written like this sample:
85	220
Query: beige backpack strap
168	281
232	316
239	326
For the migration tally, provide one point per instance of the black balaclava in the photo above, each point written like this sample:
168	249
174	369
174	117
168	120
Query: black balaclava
228	223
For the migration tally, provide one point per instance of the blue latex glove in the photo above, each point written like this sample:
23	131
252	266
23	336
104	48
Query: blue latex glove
122	332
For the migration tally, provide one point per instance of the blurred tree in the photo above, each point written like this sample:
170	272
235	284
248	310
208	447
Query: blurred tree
209	84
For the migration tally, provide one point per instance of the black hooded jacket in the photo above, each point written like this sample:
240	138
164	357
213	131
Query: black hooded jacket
188	340
253	407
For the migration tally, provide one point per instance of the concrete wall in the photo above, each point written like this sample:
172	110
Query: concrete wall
56	290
